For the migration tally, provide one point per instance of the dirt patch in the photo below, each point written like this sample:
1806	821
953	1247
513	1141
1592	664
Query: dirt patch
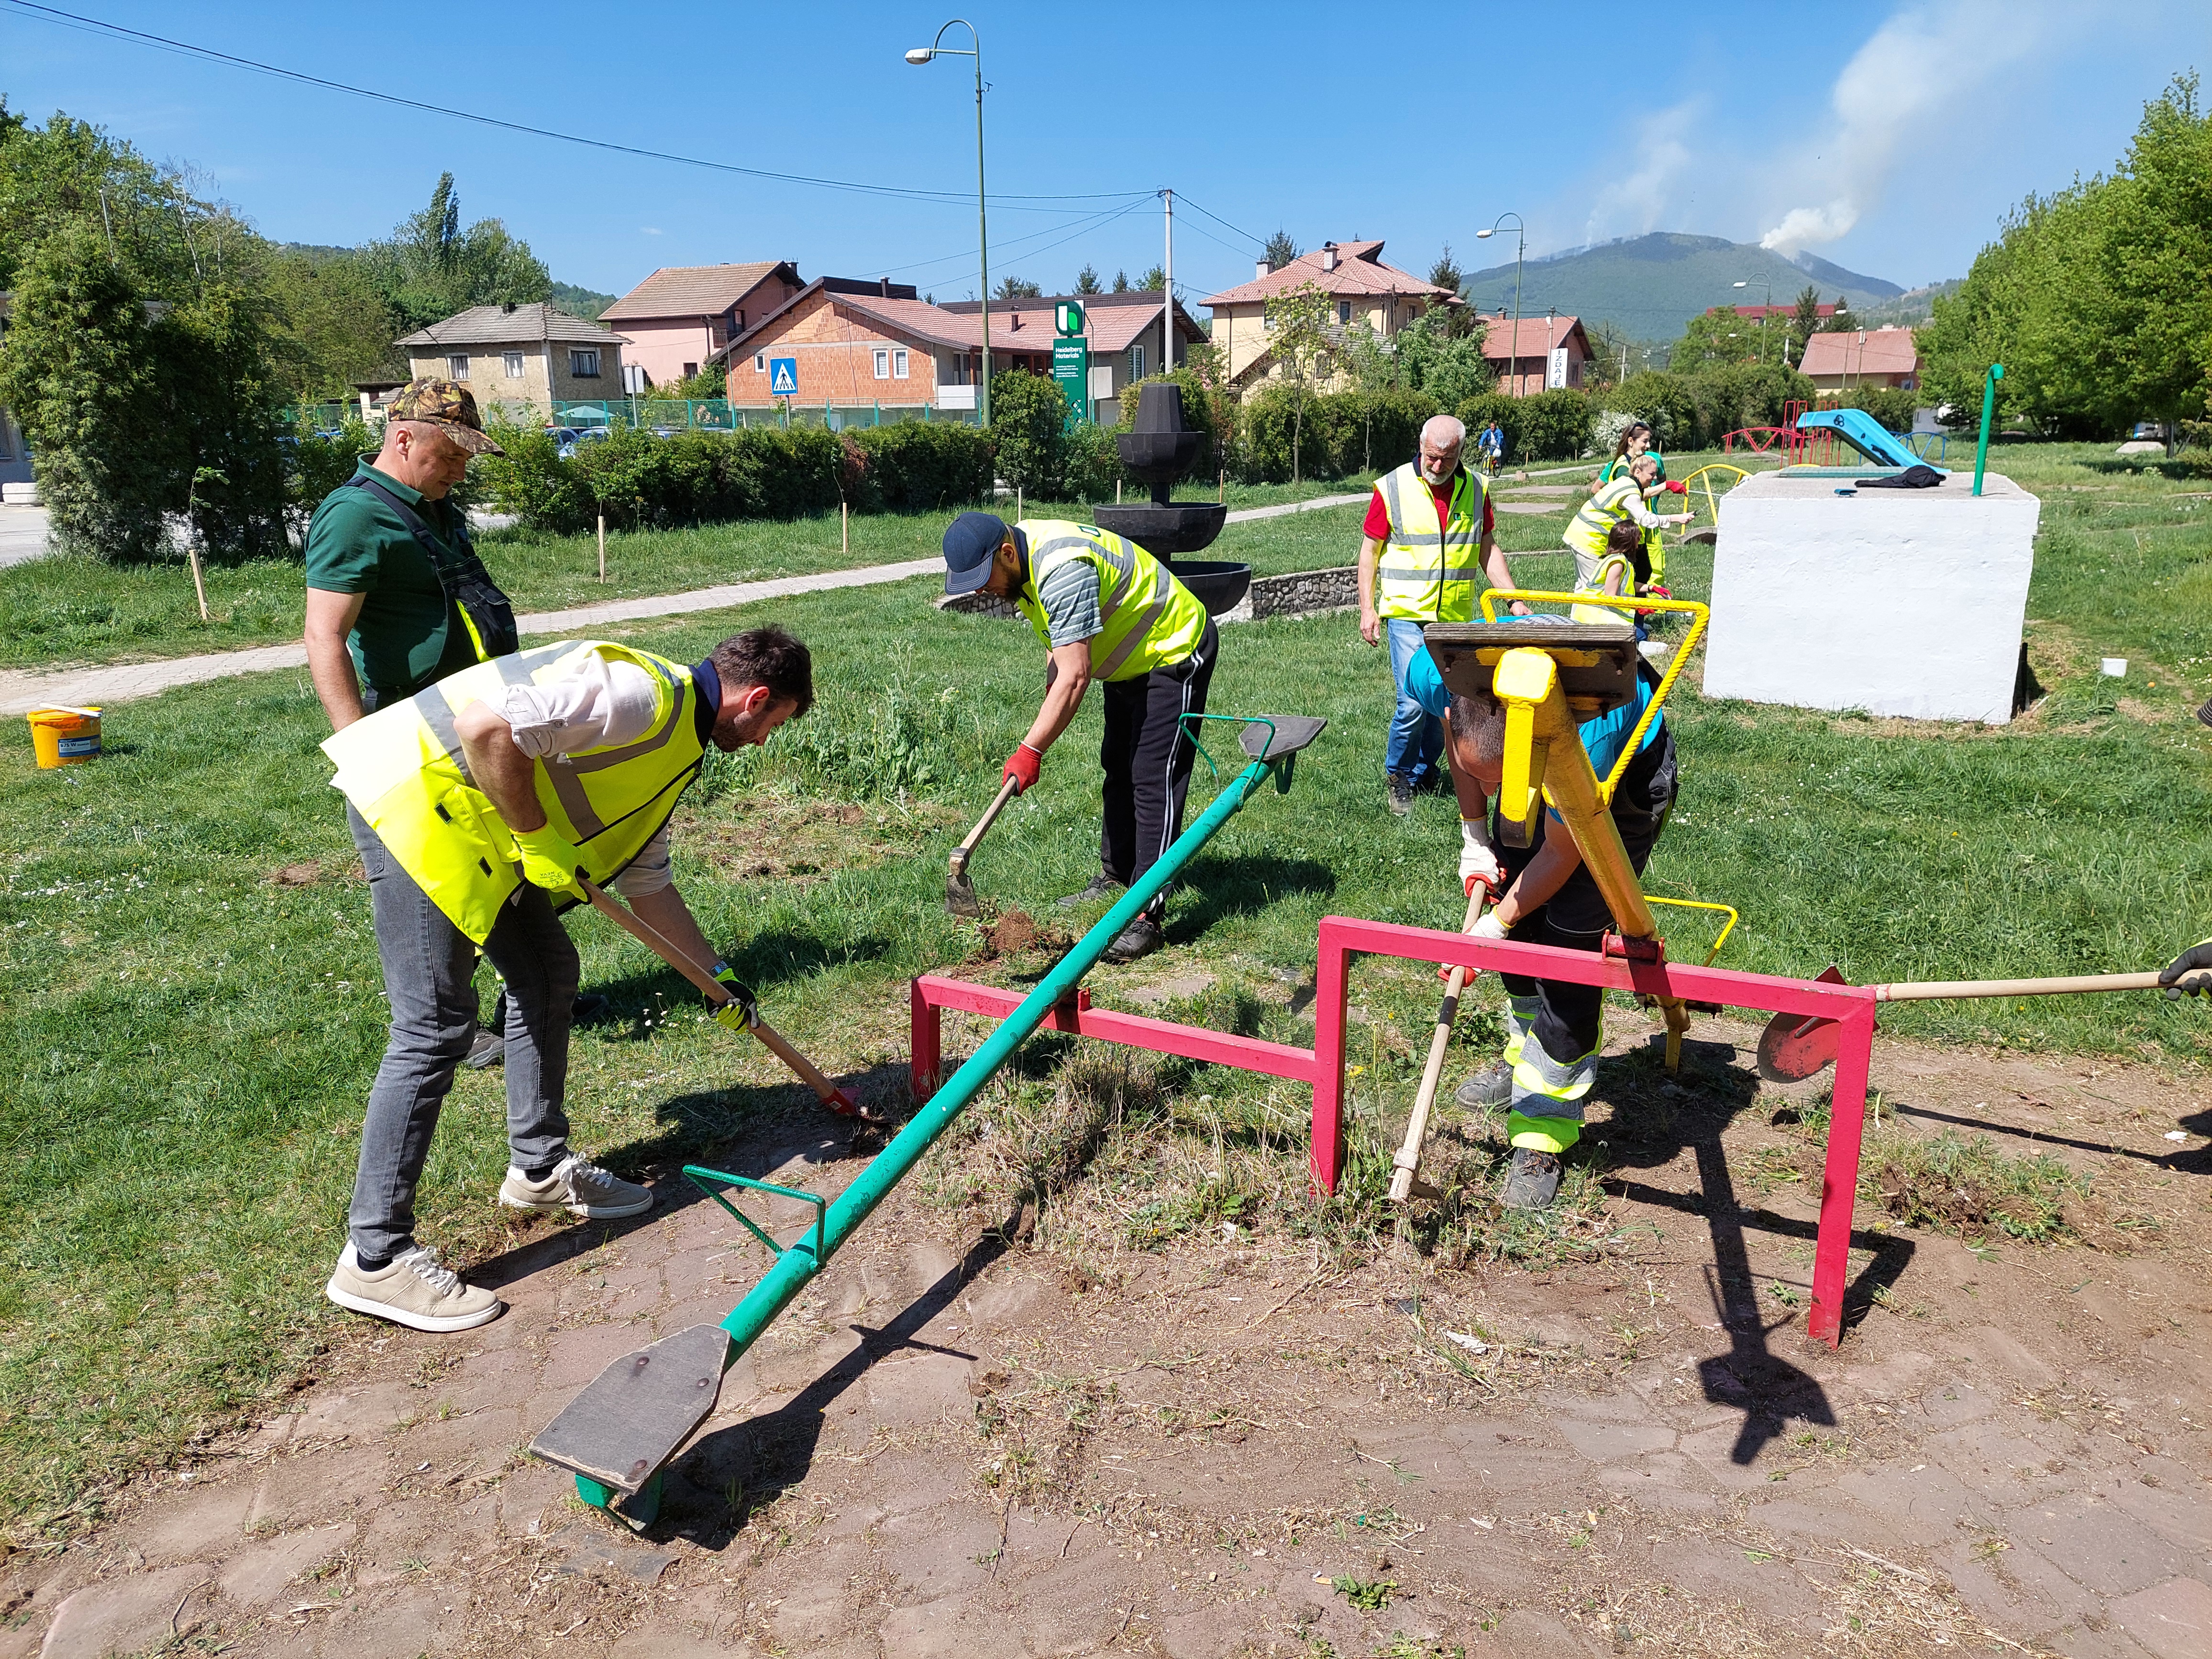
1014	932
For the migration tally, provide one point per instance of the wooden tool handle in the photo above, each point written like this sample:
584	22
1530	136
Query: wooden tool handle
1407	1164
990	816
710	987
1935	990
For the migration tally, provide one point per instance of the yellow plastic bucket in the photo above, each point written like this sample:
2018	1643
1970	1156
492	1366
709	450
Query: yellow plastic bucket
64	737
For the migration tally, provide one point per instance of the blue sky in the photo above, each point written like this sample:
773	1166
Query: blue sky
1890	139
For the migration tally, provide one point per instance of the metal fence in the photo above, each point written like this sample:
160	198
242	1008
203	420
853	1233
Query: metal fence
670	415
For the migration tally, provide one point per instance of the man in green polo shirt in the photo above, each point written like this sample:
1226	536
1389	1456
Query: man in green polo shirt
397	597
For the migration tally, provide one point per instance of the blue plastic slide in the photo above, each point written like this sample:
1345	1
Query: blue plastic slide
1864	434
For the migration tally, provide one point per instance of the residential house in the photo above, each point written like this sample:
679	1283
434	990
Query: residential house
1885	356
1547	354
855	343
514	357
1360	287
14	454
1123	331
680	316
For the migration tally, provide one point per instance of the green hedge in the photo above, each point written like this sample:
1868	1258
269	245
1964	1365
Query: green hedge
641	481
1550	426
1343	432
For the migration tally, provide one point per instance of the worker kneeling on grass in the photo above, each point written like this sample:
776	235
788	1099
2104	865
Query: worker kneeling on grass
1105	610
476	803
1553	1030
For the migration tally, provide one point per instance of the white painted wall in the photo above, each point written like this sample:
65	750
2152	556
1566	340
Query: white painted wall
1900	602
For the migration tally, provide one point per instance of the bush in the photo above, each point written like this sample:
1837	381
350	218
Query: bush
1197	413
917	467
1893	406
1029	419
1556	425
1375	431
1479	411
528	479
1663	402
1284	431
1091	464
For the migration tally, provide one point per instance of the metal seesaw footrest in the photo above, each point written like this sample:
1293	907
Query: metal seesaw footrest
621	1431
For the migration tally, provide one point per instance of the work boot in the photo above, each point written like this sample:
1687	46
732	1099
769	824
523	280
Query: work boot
1401	794
411	1290
579	1187
487	1047
1140	938
1533	1181
1102	887
1491	1086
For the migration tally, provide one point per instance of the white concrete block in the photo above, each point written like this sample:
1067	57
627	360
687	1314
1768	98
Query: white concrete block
1899	601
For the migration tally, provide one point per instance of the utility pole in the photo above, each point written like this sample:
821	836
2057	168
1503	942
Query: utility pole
1166	299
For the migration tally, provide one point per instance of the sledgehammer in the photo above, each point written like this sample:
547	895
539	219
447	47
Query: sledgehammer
719	993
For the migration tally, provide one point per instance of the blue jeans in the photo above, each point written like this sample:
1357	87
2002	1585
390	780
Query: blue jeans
1417	736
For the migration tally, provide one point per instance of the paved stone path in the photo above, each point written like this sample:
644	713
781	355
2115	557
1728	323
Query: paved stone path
22	690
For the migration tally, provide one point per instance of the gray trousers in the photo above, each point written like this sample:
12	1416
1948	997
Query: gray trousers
428	966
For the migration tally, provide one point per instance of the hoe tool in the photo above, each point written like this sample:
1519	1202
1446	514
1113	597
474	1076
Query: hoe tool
960	892
1406	1181
719	993
1792	1049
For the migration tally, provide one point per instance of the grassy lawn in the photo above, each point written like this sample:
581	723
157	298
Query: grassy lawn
187	1043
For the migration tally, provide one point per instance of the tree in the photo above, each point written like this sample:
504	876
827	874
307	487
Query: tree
2156	324
1154	281
1280	250
1298	326
1087	280
1721	336
329	327
1445	273
430	268
222	401
1029	421
1120	281
1017	287
1804	322
1439	353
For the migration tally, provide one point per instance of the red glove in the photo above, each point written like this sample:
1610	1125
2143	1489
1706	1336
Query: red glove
1474	882
1675	487
1023	767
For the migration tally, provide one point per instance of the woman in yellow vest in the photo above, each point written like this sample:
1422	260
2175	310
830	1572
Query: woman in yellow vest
475	805
1636	439
1104	609
1620	500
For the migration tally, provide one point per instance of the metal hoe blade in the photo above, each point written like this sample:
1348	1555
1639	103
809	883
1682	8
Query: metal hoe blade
960	898
1793	1048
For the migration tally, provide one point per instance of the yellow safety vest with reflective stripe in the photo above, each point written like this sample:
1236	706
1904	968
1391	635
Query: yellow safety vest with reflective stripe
403	770
1604	613
1594	518
1430	571
1148	619
1654	541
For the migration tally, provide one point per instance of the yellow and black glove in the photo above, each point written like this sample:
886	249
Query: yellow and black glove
742	1012
2188	974
549	859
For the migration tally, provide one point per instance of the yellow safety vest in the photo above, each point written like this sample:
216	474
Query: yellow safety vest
1149	619
1602	613
402	770
1594	518
1655	540
1430	571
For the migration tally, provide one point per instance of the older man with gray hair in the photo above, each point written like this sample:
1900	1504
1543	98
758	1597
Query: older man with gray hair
1431	537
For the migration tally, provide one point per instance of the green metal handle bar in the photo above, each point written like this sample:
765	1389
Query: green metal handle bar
798	1264
1989	408
699	1176
1233	720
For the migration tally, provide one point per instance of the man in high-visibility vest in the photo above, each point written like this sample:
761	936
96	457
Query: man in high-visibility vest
1431	538
476	804
1104	609
1544	895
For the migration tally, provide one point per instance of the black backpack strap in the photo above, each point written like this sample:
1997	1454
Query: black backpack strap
485	611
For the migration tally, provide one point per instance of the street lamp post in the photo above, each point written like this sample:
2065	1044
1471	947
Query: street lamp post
975	49
1521	247
1763	310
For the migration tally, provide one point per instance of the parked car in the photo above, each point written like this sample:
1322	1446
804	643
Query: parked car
568	439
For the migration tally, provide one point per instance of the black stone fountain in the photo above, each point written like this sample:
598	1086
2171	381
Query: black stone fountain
1157	453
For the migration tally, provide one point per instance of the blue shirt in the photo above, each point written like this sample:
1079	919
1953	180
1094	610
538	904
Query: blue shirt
1603	739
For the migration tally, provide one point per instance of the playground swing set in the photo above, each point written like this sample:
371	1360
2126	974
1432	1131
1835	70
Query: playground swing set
619	1434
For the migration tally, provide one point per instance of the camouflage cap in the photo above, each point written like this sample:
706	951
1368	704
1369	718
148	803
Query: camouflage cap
449	406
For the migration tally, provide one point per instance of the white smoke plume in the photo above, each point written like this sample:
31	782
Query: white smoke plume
1641	201
1916	69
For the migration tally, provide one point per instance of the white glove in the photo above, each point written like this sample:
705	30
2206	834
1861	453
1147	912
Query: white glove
1488	927
1477	861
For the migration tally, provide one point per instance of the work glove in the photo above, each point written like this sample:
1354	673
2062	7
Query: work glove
1486	926
1675	487
742	1012
549	859
2188	974
1478	862
1023	767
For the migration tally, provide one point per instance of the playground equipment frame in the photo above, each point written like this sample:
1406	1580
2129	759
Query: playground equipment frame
1323	1066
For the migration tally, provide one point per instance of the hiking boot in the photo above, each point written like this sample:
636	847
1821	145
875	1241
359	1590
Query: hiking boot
1102	889
1491	1086
1401	794
488	1047
413	1291
1140	938
580	1187
1534	1180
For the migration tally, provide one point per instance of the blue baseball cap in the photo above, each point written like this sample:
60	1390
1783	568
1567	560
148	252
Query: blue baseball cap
971	544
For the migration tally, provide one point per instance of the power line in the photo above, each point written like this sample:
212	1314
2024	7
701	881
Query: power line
1256	242
162	43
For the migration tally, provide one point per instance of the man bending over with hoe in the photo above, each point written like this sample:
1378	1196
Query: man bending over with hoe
1553	1030
478	804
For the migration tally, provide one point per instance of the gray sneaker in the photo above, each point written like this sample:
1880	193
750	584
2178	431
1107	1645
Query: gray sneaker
1101	889
414	1291
1491	1086
1401	794
1534	1180
579	1187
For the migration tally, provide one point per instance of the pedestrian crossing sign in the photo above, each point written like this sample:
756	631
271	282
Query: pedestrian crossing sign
783	377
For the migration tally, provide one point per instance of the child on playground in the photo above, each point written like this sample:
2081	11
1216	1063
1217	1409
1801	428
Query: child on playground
1624	568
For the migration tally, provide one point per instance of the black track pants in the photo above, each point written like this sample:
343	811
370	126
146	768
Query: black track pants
1147	756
